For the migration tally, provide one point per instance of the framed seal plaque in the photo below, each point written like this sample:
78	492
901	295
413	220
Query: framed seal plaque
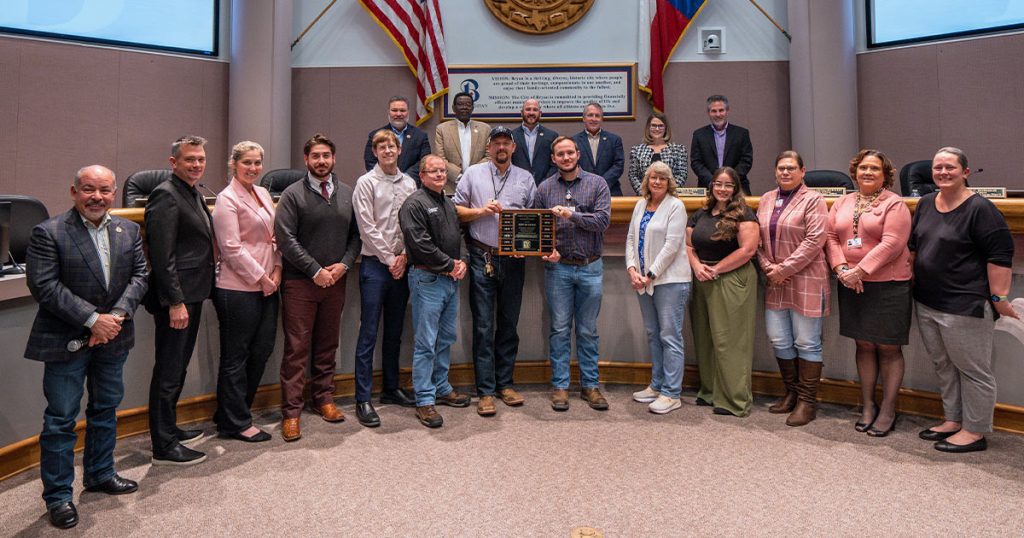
526	232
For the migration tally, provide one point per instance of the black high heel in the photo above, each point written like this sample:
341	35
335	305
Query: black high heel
875	432
863	426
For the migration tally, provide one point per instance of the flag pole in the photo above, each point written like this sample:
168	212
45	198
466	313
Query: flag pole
296	42
763	12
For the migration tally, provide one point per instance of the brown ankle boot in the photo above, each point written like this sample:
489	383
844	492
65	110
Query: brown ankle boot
807	391
789	378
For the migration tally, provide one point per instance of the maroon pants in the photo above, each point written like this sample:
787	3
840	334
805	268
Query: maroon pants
312	322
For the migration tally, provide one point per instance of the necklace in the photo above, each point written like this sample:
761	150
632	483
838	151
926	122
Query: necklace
863	203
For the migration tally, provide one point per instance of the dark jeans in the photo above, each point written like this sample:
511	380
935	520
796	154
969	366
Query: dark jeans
248	328
495	302
173	352
311	317
379	294
63	383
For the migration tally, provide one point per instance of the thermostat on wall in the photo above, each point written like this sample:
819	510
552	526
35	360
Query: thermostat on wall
712	41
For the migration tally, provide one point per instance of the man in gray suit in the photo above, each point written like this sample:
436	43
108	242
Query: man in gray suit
88	273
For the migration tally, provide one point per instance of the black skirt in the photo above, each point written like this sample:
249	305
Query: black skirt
880	315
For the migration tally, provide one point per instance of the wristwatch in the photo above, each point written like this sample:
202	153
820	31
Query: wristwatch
998	298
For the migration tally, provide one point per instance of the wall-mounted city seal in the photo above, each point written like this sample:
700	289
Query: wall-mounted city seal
539	16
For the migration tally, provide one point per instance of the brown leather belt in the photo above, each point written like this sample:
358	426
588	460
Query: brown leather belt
482	246
579	262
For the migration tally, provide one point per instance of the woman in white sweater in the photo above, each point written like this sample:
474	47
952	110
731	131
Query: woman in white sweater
660	273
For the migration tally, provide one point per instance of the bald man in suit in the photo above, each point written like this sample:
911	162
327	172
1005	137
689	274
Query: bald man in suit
461	142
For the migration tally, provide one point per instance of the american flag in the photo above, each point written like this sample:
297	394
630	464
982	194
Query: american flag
415	27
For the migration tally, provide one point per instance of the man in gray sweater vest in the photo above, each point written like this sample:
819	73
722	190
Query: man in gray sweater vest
316	232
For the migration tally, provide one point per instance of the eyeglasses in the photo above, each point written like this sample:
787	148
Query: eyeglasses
718	185
657	126
431	171
789	169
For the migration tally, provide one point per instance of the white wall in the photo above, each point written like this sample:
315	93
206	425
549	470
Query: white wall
347	36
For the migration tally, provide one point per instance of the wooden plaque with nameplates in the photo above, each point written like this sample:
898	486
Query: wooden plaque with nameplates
526	232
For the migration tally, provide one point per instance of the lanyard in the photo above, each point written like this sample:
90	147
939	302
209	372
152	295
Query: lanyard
862	204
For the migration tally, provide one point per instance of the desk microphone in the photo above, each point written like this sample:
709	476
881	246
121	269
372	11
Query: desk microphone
207	189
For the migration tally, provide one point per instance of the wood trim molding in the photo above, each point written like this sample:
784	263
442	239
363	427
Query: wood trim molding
23	455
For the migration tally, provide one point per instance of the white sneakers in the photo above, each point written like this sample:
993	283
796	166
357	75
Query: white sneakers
664	404
647	395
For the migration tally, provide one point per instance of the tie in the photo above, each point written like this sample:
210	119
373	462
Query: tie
323	191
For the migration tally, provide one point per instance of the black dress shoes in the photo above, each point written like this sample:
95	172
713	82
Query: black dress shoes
932	435
187	437
64	515
367	415
115	486
257	437
946	446
397	397
703	403
722	411
179	455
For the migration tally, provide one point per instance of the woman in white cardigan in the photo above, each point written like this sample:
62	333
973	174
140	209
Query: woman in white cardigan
660	273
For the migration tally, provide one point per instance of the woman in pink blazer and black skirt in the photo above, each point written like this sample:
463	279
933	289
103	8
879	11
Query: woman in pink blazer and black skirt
248	275
867	249
796	300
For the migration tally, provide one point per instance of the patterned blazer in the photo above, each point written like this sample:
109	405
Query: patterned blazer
674	155
800	237
65	277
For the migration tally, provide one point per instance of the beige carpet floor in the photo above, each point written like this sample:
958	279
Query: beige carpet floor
530	471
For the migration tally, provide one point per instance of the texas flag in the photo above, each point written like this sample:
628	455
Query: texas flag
662	25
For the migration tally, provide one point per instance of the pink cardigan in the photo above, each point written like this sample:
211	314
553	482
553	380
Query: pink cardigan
799	251
883	230
245	238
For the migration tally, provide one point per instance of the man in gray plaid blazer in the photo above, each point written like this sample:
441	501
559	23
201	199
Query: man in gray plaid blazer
88	273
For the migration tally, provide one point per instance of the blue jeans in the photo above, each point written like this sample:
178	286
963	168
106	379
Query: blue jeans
435	309
794	335
663	315
495	302
379	294
573	294
63	384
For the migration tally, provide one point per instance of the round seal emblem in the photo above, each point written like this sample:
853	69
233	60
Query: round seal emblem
539	16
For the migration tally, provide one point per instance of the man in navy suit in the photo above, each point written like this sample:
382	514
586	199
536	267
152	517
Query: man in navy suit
721	144
533	143
88	273
179	233
413	142
600	151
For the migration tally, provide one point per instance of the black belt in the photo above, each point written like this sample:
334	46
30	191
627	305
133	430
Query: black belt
579	262
482	246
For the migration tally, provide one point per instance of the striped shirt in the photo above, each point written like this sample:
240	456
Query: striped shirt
582	235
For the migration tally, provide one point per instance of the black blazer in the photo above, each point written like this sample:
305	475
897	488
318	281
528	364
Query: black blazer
65	277
542	167
179	236
739	154
415	146
610	160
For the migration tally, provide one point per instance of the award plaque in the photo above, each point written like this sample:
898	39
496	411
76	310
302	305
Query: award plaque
526	232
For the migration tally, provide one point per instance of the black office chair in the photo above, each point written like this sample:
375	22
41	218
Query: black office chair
276	181
828	178
917	176
140	184
26	212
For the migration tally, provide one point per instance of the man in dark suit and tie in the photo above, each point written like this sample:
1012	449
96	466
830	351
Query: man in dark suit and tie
88	273
411	140
600	151
721	144
533	143
179	234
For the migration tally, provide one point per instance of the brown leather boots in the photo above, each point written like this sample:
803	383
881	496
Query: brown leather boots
801	379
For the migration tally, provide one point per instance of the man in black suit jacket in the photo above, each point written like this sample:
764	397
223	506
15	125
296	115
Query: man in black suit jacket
608	160
738	151
535	157
179	234
413	141
88	273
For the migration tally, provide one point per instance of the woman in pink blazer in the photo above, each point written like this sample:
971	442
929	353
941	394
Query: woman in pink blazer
793	219
868	232
248	275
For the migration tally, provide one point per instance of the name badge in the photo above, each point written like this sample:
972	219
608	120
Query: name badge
853	243
778	203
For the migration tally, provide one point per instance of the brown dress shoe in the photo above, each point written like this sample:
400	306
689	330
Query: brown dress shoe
290	429
428	416
594	398
560	400
511	397
454	399
485	407
330	412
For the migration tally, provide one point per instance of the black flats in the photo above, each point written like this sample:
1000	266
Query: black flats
946	446
932	435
